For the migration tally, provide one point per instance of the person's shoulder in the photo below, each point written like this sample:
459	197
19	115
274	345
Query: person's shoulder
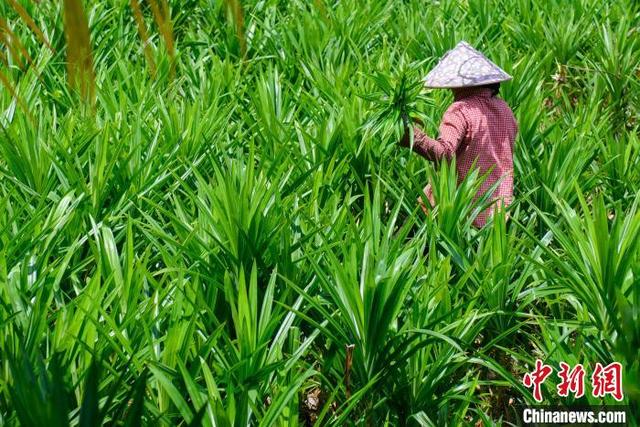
456	113
497	100
457	110
457	106
506	110
504	105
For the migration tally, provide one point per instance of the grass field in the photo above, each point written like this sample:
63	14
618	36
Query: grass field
205	218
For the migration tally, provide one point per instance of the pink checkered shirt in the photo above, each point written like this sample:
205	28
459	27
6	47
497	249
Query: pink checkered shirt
476	127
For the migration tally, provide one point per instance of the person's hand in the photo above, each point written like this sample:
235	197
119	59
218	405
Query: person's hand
405	141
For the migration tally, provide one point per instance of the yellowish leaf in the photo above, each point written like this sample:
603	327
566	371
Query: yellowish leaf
79	56
30	22
144	36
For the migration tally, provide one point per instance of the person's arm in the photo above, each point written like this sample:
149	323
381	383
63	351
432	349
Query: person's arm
452	131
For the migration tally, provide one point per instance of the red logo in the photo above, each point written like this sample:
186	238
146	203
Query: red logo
605	380
572	380
536	378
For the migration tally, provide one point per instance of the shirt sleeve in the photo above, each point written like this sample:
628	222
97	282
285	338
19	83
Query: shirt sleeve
452	131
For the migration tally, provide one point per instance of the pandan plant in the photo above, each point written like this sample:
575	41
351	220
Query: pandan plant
394	102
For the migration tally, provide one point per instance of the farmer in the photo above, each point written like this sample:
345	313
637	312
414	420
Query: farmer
478	128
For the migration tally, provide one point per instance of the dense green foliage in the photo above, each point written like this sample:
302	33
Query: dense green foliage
201	243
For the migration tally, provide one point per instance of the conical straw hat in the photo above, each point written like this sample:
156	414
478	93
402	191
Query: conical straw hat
463	66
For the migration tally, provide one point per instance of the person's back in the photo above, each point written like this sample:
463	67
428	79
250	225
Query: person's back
490	134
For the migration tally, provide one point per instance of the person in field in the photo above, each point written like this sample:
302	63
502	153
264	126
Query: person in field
478	128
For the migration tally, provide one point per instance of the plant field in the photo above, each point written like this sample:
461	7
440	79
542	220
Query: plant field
205	218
